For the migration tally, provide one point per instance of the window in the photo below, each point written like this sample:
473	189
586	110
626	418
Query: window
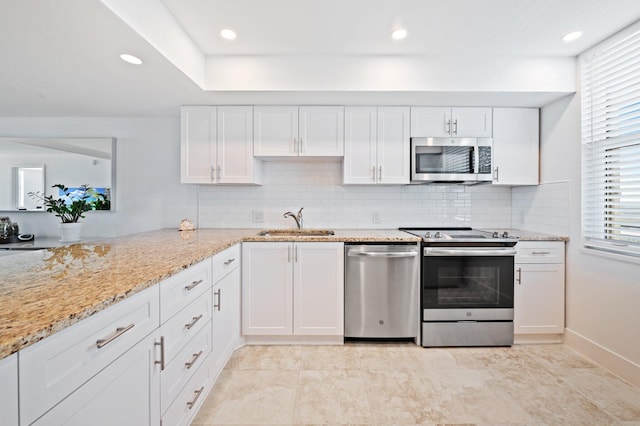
611	146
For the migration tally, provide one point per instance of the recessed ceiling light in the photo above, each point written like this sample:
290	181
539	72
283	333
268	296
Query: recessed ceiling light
399	34
572	36
228	34
131	59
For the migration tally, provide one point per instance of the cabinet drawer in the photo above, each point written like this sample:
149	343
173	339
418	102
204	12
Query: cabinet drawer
54	367
540	252
225	262
178	372
9	390
181	289
185	324
190	398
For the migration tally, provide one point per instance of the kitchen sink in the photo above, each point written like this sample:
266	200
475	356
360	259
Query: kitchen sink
296	233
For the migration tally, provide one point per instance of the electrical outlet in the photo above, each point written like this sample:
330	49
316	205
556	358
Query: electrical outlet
257	216
375	217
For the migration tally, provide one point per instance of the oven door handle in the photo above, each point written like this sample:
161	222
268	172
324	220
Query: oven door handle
383	254
476	251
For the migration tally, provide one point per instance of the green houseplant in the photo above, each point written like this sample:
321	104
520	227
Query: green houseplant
71	206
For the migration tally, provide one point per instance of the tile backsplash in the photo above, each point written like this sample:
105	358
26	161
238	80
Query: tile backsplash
542	208
317	186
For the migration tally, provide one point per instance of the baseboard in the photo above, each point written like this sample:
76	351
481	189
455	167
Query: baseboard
533	339
617	364
294	340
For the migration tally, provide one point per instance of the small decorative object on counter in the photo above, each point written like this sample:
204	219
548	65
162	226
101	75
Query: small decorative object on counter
70	207
186	225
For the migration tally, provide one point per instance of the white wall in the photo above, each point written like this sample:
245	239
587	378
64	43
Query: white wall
602	294
317	186
148	191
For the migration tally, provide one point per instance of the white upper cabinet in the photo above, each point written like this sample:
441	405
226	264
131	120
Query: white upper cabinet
451	122
291	131
217	145
377	145
515	146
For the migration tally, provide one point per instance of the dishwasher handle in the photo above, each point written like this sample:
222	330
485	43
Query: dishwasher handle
383	254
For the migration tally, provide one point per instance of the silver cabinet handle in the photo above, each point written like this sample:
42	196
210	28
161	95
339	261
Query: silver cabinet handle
193	360
193	322
541	253
519	277
383	254
100	343
192	285
191	403
455	126
495	174
447	128
217	293
229	261
380	174
374	173
213	174
161	344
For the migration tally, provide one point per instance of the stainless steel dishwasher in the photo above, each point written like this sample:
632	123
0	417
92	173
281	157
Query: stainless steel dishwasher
382	284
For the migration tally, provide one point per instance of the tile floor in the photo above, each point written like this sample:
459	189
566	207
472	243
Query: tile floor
404	384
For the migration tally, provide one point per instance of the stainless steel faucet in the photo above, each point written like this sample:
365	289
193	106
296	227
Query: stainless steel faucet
297	218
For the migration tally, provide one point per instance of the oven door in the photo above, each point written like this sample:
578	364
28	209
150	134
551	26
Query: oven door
467	280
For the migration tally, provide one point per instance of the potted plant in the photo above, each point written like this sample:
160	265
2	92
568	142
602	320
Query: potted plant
71	206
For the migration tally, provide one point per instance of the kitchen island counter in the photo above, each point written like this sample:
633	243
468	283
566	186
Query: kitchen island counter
45	291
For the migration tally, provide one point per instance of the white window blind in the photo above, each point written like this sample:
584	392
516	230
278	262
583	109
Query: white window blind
611	147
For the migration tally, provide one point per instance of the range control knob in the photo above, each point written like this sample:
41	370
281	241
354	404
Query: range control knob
438	235
505	234
427	235
495	234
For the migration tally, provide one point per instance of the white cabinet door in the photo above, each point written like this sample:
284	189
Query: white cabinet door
235	162
539	298
275	131
197	144
226	318
539	287
318	289
430	121
124	393
515	146
267	288
360	162
321	131
471	122
9	390
393	147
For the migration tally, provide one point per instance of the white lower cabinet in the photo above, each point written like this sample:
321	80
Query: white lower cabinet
9	390
226	318
293	288
539	288
124	393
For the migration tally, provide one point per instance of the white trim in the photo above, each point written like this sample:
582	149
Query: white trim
615	363
294	340
536	339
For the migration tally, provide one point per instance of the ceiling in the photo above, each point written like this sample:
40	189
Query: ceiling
60	57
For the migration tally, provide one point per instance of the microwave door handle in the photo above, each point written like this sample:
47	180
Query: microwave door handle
476	159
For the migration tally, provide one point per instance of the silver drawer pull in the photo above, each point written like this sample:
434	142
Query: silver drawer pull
192	285
193	322
230	261
161	344
191	403
119	332
542	253
218	292
193	360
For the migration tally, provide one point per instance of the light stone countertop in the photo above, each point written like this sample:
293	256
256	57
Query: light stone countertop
45	291
523	235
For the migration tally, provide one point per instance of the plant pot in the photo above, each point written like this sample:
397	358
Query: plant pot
70	232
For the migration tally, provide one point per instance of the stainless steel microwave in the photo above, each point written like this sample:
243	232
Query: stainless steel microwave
461	160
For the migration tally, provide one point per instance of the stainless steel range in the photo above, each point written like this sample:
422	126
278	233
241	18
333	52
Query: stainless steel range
467	287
